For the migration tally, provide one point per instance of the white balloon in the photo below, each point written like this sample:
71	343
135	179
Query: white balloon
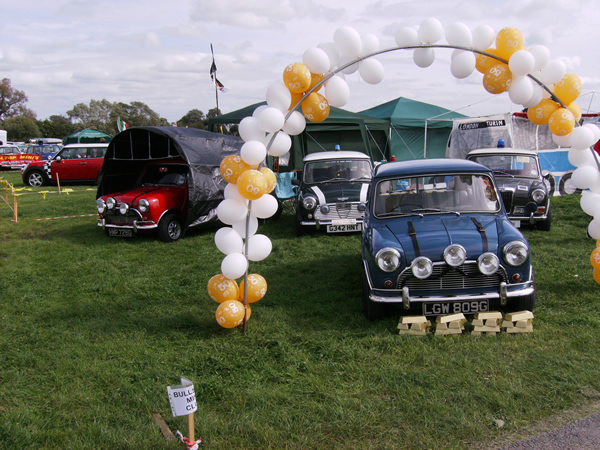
231	191
520	90
581	138
407	37
240	226
541	55
580	158
332	53
317	60
595	187
594	229
595	130
459	34
585	176
590	203
271	119
521	63
258	110
431	31
369	44
371	71
250	130
423	57
462	64
266	206
345	59
234	266
483	37
231	211
279	96
280	143
295	123
553	72
536	96
347	41
259	247
228	241
337	91
253	153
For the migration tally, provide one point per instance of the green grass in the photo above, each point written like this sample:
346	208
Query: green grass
93	329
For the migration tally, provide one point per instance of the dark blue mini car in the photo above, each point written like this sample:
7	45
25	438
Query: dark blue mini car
437	240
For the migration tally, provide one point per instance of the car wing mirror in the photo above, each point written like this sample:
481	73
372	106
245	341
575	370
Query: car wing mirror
546	174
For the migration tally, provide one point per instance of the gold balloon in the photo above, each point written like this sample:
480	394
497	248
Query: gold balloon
230	314
497	79
483	63
540	113
232	167
221	288
595	258
508	41
315	107
271	179
296	97
296	77
596	275
257	288
251	184
576	110
314	79
561	122
568	89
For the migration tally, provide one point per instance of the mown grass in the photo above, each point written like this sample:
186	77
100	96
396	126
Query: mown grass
93	329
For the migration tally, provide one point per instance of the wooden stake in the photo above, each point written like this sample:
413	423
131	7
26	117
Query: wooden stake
58	182
191	427
14	208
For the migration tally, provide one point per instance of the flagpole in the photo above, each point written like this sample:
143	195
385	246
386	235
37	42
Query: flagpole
213	75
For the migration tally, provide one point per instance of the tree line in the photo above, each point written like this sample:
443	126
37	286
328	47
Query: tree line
21	123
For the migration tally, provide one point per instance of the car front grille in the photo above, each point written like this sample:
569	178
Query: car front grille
445	278
122	219
507	199
340	211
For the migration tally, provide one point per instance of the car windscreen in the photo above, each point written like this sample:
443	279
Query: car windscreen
164	175
510	165
339	169
454	193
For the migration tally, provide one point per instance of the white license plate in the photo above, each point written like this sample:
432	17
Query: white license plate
120	232
516	223
344	228
442	308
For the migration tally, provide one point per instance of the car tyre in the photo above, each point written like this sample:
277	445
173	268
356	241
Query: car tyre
373	310
527	302
36	178
544	225
170	228
300	230
566	186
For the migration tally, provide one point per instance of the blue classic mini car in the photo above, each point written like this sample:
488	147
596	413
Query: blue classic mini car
437	240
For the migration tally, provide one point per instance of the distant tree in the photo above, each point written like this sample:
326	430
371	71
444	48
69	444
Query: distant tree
12	101
193	119
21	128
214	112
56	127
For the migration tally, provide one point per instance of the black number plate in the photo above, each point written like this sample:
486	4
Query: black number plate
443	308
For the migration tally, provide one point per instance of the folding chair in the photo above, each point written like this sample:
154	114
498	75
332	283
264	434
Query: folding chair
286	192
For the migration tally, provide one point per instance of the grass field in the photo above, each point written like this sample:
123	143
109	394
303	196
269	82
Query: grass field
93	330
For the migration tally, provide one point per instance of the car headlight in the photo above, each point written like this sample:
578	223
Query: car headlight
309	202
538	195
100	206
421	267
455	255
123	208
488	263
111	203
388	259
144	205
515	253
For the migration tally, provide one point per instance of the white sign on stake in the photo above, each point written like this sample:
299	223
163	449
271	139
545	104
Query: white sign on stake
182	398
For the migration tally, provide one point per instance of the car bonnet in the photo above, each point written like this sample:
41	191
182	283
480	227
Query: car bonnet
340	191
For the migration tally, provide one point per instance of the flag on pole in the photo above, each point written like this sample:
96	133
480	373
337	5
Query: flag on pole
213	72
121	125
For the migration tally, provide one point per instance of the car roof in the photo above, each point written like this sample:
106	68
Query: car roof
417	167
338	154
503	151
104	144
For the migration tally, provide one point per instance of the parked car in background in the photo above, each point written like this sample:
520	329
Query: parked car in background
42	152
10	157
332	191
437	240
74	163
521	184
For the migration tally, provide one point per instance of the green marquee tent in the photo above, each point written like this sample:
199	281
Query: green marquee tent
418	130
87	136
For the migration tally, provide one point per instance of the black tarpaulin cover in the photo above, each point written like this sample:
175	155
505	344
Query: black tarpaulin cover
203	151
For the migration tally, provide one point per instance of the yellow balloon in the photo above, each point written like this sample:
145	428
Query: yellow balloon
561	122
314	79
232	167
251	184
540	113
230	314
595	258
497	79
271	179
576	110
296	97
221	288
598	243
508	41
315	107
257	288
596	275
483	63
296	77
568	89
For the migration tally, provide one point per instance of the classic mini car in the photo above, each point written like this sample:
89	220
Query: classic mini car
437	240
158	201
10	157
332	191
521	184
74	163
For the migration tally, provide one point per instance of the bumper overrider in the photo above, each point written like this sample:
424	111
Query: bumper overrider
503	292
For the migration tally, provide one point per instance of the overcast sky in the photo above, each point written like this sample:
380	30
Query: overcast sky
64	52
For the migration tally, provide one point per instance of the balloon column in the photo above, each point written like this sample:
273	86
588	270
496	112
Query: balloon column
530	77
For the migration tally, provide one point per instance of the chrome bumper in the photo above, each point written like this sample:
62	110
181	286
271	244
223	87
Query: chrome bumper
136	225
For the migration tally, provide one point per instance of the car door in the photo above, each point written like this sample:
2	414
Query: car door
76	164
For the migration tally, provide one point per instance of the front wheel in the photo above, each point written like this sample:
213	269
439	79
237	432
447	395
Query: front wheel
36	178
373	310
170	228
545	224
527	302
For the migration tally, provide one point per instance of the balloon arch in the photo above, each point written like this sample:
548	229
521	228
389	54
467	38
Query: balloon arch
530	77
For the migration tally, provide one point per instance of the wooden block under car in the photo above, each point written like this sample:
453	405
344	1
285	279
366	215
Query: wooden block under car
414	325
520	315
488	315
413	319
450	318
